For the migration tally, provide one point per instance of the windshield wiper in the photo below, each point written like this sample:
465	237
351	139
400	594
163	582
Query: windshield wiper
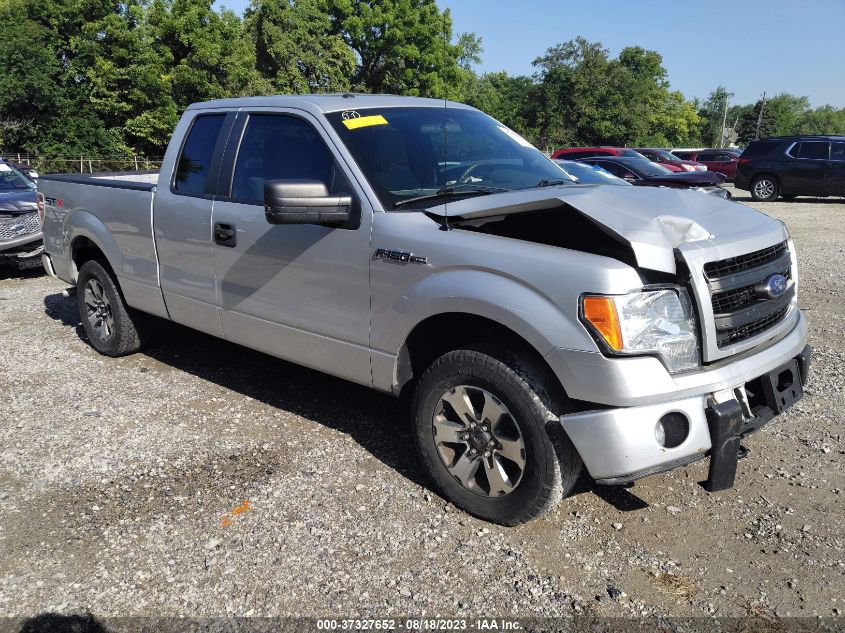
551	182
466	189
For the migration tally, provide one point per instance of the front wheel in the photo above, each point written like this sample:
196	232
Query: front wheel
765	188
488	437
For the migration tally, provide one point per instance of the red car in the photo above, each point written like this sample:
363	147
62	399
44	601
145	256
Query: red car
669	160
722	161
577	153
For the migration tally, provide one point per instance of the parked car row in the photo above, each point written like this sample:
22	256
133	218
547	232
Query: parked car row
784	166
638	170
722	161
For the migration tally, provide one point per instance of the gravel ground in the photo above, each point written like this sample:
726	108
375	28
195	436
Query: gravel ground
203	479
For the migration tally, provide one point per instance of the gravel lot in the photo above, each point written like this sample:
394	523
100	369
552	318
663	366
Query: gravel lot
202	479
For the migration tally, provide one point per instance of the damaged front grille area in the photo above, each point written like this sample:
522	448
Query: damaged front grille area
742	308
735	335
730	300
741	263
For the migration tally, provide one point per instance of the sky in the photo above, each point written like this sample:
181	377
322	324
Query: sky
749	46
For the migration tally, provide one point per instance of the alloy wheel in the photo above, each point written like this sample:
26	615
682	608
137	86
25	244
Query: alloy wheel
479	441
98	309
764	188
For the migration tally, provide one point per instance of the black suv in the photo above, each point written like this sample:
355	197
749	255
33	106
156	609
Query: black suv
790	166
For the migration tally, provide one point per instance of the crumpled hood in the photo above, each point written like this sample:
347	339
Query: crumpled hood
652	220
18	200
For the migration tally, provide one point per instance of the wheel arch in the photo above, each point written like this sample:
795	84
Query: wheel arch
766	172
441	333
90	239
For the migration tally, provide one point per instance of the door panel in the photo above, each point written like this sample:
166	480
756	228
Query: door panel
182	223
836	169
299	292
806	175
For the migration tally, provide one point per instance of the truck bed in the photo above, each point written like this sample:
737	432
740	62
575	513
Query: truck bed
114	211
139	180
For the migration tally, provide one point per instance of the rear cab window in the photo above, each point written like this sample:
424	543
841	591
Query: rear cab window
194	164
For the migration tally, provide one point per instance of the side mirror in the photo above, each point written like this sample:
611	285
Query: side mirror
304	202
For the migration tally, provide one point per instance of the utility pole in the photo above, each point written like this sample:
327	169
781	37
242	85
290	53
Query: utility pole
724	121
760	117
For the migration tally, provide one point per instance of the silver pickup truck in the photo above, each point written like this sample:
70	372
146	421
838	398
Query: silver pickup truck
421	248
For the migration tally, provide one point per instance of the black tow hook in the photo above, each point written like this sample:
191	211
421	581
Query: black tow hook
725	422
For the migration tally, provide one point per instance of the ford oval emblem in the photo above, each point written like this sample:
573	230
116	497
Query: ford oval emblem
773	287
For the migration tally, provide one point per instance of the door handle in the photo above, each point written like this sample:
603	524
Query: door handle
225	234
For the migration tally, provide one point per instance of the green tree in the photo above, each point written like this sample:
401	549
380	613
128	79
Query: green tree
576	102
585	97
44	92
505	98
782	114
711	113
295	49
127	85
206	54
823	120
402	46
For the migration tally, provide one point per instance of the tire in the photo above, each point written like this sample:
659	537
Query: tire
100	301
765	188
482	380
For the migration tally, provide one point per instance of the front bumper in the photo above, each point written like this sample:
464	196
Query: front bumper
23	250
640	380
619	444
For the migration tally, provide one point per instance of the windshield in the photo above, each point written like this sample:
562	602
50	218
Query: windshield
11	178
630	153
586	174
665	155
417	152
647	168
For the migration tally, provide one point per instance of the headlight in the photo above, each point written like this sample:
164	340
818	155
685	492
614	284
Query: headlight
659	322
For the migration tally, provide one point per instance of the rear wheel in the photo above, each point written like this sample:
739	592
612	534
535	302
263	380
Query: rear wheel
765	188
488	435
111	328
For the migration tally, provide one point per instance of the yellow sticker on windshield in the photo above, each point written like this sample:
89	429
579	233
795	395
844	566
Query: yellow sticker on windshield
355	120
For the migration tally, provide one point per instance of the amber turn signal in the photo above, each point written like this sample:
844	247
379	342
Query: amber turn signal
600	312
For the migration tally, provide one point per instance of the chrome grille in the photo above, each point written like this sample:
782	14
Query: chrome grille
739	311
15	226
730	300
751	329
741	263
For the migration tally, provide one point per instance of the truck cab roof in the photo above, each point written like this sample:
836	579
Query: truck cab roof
327	102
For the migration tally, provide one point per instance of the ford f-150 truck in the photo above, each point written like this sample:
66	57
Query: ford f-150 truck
421	248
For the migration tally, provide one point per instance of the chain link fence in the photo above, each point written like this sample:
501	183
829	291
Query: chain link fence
83	164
